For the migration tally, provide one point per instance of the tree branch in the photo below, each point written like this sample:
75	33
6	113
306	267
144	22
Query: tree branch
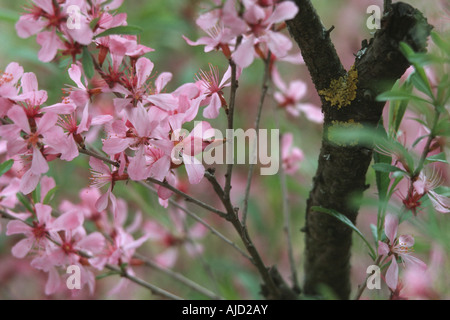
342	168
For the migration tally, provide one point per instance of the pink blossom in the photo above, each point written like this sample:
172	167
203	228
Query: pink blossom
426	185
291	156
8	86
101	176
395	248
213	90
260	21
43	227
187	146
289	97
171	241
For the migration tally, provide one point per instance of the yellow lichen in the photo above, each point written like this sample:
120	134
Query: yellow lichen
343	90
338	126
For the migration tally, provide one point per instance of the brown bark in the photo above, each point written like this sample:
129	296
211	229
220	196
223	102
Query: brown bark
342	169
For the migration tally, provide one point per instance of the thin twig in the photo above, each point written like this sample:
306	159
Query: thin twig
230	119
179	277
286	216
257	123
200	220
242	231
161	183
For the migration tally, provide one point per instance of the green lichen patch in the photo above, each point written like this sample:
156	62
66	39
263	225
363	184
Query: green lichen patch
342	91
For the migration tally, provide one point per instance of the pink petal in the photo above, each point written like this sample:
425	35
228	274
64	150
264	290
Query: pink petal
138	169
413	262
245	53
29	182
212	110
47	122
68	221
113	146
53	282
17	227
99	166
283	11
390	227
93	243
28	26
162	80
168	258
383	249
50	43
43	213
278	43
22	247
144	68
392	275
47	184
18	115
195	170
75	75
38	164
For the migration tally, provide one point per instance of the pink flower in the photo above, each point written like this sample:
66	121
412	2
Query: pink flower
8	86
426	185
260	21
101	176
187	146
289	97
291	157
171	241
213	90
43	227
397	247
44	133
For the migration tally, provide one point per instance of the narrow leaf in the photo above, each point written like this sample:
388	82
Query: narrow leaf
5	166
347	222
129	30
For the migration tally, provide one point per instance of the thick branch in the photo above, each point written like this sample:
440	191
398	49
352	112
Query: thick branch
342	169
317	49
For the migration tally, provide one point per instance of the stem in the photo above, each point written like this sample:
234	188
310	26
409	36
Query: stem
230	116
198	219
362	286
286	216
179	277
161	183
264	88
242	231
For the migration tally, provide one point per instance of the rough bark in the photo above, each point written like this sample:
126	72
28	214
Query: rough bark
342	169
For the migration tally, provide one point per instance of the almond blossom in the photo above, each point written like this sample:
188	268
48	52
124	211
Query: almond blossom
290	156
397	248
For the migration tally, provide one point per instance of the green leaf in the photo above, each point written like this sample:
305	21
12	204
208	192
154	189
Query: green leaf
436	158
443	45
374	230
49	195
5	166
385	167
399	95
382	178
418	66
25	201
107	274
130	30
418	82
9	15
347	222
88	64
